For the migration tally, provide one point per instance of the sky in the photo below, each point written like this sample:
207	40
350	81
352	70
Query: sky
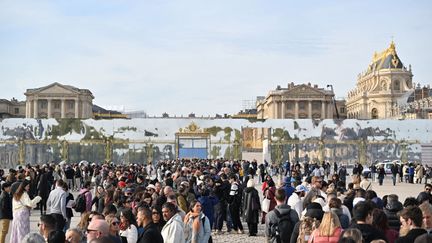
203	57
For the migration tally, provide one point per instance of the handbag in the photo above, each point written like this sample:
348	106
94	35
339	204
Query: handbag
265	205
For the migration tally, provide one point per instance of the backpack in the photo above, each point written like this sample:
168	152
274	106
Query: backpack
81	203
307	226
282	230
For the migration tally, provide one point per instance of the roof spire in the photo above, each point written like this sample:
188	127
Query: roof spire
392	44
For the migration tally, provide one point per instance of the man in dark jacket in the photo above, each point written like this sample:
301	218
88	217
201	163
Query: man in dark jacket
151	232
362	214
411	219
283	209
5	210
222	191
391	210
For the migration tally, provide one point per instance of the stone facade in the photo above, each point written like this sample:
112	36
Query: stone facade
386	83
12	108
59	101
302	101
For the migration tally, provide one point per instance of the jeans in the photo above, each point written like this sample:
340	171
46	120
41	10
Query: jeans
4	228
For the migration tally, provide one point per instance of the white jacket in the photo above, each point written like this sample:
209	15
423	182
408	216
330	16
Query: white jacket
173	231
130	233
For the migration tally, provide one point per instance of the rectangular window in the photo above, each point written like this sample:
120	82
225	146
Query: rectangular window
316	105
57	105
16	110
290	105
43	104
71	104
302	105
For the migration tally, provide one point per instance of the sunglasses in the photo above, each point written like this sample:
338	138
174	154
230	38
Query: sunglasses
90	230
115	223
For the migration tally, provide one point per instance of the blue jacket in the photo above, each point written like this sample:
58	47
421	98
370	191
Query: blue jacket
207	205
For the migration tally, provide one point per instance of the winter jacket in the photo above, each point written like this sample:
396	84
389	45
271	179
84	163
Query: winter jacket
173	231
272	219
316	238
391	210
251	205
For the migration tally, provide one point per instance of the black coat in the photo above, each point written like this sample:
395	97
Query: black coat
44	186
251	205
5	205
151	234
411	236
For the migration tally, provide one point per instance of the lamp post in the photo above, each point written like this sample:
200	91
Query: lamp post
334	100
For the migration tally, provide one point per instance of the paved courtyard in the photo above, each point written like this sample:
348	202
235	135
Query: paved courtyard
402	189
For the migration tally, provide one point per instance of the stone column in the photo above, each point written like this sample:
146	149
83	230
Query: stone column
27	109
310	109
330	110
35	108
323	114
76	108
283	110
49	108
63	111
296	108
274	115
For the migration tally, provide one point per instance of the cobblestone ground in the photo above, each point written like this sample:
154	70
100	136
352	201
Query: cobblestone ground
402	189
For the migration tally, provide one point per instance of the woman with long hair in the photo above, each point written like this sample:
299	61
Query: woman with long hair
380	221
197	225
128	230
268	189
114	226
157	217
328	231
21	206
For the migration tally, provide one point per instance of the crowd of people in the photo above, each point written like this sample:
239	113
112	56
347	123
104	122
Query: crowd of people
178	201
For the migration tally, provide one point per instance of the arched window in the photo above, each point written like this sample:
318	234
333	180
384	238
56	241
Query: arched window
374	113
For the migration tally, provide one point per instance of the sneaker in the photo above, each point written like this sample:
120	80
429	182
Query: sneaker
240	231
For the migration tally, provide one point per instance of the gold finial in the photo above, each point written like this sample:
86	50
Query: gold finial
392	44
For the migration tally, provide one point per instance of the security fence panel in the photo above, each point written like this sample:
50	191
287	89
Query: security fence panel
9	155
40	153
90	152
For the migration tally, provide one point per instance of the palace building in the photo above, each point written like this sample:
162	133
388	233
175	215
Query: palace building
302	101
12	108
59	101
386	84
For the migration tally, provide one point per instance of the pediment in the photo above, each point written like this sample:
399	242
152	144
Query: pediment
304	90
56	88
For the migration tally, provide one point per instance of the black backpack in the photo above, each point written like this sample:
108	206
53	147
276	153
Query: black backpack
81	203
282	230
